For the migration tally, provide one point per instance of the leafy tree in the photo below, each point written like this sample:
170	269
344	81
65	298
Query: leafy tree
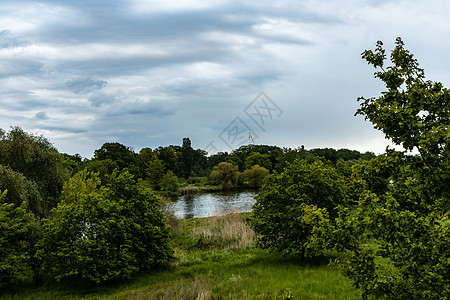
104	233
155	172
295	209
169	158
256	158
187	153
105	168
169	182
200	162
225	174
403	209
255	176
36	159
216	158
19	232
21	191
122	155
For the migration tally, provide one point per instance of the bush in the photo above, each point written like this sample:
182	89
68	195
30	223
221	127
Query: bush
169	182
255	176
104	233
295	209
225	174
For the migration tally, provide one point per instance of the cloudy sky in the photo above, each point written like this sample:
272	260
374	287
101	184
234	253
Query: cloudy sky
148	73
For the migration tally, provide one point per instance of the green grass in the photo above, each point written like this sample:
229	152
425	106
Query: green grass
216	259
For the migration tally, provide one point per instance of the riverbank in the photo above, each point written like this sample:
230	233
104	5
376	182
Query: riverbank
216	258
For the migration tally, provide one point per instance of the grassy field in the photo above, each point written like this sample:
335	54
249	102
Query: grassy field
215	259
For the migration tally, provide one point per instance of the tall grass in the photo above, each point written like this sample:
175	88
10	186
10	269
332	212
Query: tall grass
228	231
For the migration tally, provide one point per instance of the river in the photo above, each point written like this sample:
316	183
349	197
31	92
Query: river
212	204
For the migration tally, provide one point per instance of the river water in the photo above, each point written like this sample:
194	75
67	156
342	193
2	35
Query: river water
212	204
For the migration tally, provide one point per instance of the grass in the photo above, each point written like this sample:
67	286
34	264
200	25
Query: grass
216	259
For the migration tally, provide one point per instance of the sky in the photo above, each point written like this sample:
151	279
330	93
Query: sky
149	73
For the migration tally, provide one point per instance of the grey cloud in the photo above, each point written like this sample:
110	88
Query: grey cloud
9	40
97	99
84	85
41	116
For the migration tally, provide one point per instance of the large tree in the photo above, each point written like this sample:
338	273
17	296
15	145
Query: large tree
35	158
403	209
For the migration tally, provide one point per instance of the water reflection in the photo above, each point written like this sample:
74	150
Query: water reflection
205	205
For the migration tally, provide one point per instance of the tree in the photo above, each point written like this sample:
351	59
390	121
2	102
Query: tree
169	182
21	191
120	223
19	232
404	207
155	172
255	176
36	159
187	157
122	155
295	209
256	158
225	174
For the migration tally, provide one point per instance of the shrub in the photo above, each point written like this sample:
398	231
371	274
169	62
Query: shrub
293	209
225	174
255	176
104	233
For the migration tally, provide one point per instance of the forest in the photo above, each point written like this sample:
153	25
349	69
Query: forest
382	221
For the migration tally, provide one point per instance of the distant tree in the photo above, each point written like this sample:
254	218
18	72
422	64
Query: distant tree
36	159
169	182
200	162
216	158
155	172
256	158
120	154
104	233
187	153
104	168
170	159
295	210
255	176
225	174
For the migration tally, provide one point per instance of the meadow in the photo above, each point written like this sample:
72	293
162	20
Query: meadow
215	258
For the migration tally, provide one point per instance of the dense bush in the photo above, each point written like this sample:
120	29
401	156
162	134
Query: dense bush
103	233
255	176
295	209
225	174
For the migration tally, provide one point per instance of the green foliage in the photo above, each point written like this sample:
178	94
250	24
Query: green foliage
256	158
402	208
295	209
187	154
21	190
255	176
122	155
104	233
225	174
36	159
155	172
19	231
169	182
